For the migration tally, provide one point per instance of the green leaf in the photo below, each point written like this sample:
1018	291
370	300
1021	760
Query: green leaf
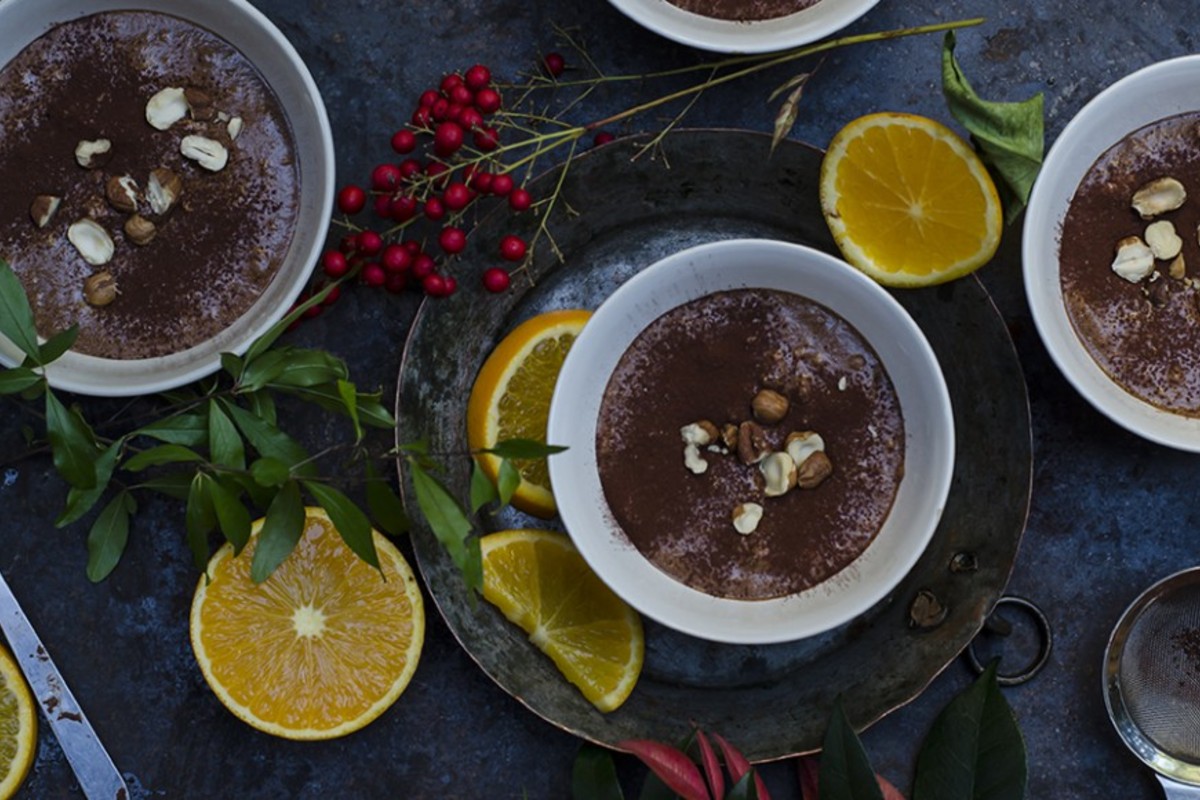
448	522
175	484
507	481
232	516
348	518
349	397
200	518
80	501
16	316
161	454
262	405
385	506
281	529
189	430
594	775
18	379
264	342
268	471
846	772
1009	137
72	444
224	441
258	373
108	535
309	368
483	491
744	789
974	751
524	449
233	365
56	345
268	440
370	410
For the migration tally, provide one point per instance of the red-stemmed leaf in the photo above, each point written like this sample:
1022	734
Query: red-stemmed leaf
739	765
712	767
671	765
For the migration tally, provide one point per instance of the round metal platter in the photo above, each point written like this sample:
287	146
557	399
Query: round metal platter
615	215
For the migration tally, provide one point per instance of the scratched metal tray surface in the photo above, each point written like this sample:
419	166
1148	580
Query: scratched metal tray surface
616	215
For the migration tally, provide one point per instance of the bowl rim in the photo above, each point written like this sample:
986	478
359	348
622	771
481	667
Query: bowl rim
1049	201
929	433
107	377
755	36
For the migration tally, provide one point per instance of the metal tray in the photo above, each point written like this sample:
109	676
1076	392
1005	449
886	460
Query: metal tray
614	216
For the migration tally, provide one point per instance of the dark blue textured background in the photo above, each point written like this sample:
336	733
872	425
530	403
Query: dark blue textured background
1110	513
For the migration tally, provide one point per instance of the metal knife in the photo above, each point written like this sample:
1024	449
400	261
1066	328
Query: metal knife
97	774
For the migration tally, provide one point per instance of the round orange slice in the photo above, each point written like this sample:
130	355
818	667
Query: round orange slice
18	726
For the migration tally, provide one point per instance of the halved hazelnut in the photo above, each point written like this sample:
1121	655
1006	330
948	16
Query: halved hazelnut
746	517
166	107
752	443
1158	197
234	127
206	152
802	444
43	208
93	153
1134	259
1177	269
122	193
769	406
779	474
729	435
699	433
1162	239
163	190
92	241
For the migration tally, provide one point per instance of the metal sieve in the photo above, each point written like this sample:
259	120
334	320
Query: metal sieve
1152	681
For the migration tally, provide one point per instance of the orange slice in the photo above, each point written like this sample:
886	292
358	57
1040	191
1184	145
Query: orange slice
18	727
511	399
541	583
319	649
908	201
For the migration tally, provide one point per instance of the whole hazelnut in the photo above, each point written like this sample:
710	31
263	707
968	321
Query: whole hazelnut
140	230
815	469
752	443
100	289
769	406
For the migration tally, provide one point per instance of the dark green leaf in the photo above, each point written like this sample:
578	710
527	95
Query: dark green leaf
419	447
446	519
268	440
233	365
311	368
370	409
53	348
483	491
224	441
189	430
269	472
1009	137
261	497
161	454
744	789
232	516
72	444
262	343
262	405
846	772
594	775
280	531
654	789
974	751
524	449
348	518
349	397
264	369
385	506
18	379
106	540
372	412
174	484
80	501
200	518
507	481
16	317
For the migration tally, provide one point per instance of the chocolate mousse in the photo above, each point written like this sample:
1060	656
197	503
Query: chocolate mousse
150	183
744	10
1129	263
750	443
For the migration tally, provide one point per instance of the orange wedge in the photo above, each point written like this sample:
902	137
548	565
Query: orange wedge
908	201
322	647
18	727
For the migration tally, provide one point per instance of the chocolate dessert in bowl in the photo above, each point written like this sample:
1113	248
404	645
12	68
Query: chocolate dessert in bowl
1111	252
169	174
760	442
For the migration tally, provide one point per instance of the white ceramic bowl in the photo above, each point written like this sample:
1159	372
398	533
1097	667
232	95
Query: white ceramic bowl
244	27
759	36
905	354
1161	90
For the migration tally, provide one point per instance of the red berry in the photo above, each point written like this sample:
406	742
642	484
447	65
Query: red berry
335	293
455	112
423	266
456	196
351	199
478	77
452	240
470	118
433	285
428	98
396	282
603	138
447	138
385	177
395	259
520	200
495	280
404	208
450	286
412	246
462	95
334	264
435	209
482	181
423	118
487	100
440	109
512	248
554	64
409	167
502	185
450	81
373	275
383	205
487	139
404	141
369	243
312	311
349	243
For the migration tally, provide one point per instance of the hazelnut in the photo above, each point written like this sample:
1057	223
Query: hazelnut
1177	269
1134	260
206	152
1162	239
92	241
746	517
752	443
122	193
166	107
93	153
815	469
43	209
802	444
234	128
163	189
699	433
692	460
1158	197
199	104
100	289
729	435
779	473
769	406
140	230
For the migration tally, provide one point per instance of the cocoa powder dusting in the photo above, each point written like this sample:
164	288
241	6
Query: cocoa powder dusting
744	10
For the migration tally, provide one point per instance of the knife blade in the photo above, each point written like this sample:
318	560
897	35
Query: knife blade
97	774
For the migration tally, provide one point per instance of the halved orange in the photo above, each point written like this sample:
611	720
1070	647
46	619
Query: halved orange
322	647
908	201
541	583
18	726
511	399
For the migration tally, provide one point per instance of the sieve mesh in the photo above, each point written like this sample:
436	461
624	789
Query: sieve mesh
1160	672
